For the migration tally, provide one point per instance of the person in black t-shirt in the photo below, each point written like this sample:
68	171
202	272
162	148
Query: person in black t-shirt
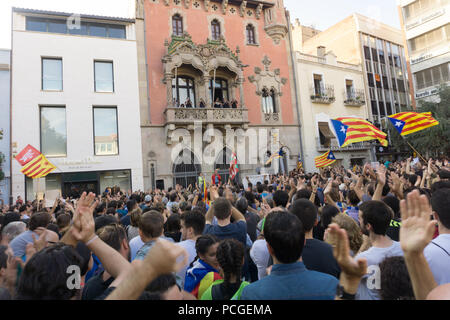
115	236
317	255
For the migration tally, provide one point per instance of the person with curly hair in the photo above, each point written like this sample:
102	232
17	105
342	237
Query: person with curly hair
353	231
395	280
230	255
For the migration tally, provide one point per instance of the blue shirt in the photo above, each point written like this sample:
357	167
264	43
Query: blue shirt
237	230
292	282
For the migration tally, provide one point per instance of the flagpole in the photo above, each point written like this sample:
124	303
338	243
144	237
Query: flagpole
409	144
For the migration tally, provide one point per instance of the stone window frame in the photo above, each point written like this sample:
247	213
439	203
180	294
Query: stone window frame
221	21
255	26
182	14
182	24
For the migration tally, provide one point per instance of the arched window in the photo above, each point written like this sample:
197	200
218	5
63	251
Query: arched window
251	39
223	164
185	169
268	97
219	90
177	25
183	89
215	30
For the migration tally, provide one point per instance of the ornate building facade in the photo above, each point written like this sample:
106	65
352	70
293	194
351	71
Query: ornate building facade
214	68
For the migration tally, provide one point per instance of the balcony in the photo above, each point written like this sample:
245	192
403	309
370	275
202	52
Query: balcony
324	94
334	146
187	116
354	98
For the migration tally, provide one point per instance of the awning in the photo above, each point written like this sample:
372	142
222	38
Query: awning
325	130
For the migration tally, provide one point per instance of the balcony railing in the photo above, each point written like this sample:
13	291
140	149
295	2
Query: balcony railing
356	97
186	116
334	146
323	94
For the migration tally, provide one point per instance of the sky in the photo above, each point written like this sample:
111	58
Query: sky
321	14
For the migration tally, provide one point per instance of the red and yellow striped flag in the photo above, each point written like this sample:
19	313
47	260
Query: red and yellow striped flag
410	122
38	167
350	130
325	160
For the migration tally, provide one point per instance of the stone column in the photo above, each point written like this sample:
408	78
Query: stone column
168	82
206	80
241	92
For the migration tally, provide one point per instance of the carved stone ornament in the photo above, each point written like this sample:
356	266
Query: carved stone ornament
224	6
266	62
242	8
258	70
187	4
207	3
259	11
139	9
277	32
188	114
166	2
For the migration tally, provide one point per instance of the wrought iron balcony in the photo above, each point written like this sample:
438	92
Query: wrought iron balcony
355	98
187	116
334	146
323	94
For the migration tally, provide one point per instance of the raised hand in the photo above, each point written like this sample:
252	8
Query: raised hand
164	256
351	269
381	175
417	229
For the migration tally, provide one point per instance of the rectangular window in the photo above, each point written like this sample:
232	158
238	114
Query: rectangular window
80	29
53	131
36	24
105	131
318	84
57	26
116	31
97	30
104	76
52	78
349	89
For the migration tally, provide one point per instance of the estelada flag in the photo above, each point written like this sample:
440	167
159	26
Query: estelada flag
27	154
38	167
325	160
234	168
410	122
350	130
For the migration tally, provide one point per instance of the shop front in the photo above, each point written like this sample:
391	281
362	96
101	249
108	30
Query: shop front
73	184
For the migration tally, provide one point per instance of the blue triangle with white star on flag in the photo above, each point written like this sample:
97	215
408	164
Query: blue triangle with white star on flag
331	156
398	124
341	131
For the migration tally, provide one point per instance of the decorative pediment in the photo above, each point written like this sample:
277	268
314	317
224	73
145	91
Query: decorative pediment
267	79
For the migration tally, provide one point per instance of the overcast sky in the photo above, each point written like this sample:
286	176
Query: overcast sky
322	14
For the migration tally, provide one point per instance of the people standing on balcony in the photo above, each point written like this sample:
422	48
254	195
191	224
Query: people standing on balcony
182	105
234	104
217	103
226	104
188	103
216	179
202	104
175	103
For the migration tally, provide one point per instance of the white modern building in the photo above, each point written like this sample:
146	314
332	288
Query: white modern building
5	172
426	24
75	98
330	89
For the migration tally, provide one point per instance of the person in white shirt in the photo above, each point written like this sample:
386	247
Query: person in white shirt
375	217
437	253
192	226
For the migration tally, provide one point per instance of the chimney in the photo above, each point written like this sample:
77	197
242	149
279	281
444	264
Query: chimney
321	51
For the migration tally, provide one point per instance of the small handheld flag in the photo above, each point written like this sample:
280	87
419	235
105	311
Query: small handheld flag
350	130
325	160
410	122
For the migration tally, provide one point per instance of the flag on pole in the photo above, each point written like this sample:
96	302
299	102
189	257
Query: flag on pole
234	168
38	167
410	122
205	194
325	160
27	154
299	163
350	130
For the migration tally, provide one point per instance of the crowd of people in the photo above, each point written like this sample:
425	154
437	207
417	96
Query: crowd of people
218	104
364	233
